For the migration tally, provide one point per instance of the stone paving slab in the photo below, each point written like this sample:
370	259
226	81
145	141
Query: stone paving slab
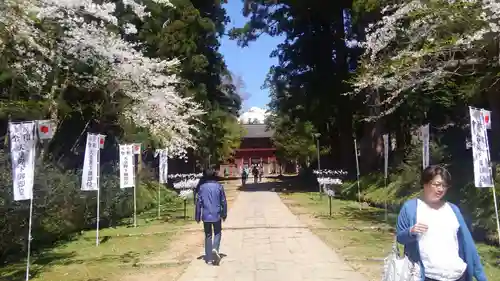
266	242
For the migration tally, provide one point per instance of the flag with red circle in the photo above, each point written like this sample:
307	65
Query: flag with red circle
102	139
45	129
487	118
137	148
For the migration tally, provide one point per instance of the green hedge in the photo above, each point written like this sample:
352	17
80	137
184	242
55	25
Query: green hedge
61	209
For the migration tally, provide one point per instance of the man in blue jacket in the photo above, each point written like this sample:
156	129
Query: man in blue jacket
211	207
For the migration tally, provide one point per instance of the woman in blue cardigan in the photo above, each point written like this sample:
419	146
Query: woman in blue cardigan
435	235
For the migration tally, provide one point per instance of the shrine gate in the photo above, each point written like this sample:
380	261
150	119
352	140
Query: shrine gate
256	148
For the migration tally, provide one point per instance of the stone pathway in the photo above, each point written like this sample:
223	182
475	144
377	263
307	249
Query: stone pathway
264	241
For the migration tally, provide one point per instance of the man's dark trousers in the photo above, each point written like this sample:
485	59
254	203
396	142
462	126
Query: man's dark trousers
212	231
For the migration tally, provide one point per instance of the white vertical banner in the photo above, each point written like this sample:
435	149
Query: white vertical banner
481	154
424	132
386	153
163	171
90	173
23	154
127	166
480	149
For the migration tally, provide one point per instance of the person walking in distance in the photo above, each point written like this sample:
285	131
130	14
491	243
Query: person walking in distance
255	173
261	172
435	235
211	208
244	176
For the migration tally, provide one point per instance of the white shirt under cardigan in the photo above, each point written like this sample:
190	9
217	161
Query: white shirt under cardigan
439	245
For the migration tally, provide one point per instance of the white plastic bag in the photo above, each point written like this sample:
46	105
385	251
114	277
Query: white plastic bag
397	268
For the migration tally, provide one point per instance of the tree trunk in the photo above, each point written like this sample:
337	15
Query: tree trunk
371	144
345	112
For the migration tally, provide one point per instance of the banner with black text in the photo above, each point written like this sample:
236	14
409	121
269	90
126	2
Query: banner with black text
127	178
480	149
163	171
23	155
90	173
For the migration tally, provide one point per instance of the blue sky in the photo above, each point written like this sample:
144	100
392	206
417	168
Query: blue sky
251	63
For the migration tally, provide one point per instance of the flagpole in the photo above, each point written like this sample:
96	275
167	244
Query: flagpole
159	201
98	193
386	165
385	202
486	119
357	171
496	213
135	205
138	181
44	142
159	206
29	239
162	177
30	223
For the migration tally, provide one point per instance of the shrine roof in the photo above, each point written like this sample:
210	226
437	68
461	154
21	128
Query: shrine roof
257	131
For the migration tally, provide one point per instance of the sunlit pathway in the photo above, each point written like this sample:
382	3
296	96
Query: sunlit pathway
264	241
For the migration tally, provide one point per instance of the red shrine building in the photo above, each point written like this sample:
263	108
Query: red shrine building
256	147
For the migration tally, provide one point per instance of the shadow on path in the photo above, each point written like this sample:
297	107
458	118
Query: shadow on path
216	263
203	256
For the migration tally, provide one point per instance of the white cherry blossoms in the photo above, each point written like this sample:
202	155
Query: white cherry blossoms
418	44
149	83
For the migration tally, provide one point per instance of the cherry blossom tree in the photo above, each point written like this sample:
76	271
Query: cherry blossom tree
419	46
50	36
